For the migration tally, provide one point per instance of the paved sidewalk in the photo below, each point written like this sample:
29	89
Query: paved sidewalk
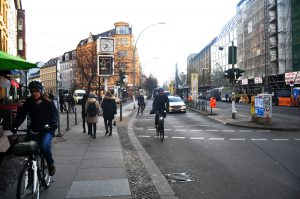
97	168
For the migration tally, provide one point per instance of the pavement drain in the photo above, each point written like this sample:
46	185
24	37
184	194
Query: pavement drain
179	177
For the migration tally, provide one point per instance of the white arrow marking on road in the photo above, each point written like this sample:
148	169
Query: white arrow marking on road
237	139
196	138
216	138
280	139
179	137
259	139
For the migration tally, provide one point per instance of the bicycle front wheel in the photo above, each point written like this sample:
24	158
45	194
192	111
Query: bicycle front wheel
25	186
46	178
161	131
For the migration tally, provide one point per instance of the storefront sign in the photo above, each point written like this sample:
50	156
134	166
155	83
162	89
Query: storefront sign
257	80
293	77
244	81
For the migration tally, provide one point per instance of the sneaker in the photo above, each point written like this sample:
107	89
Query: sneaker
52	170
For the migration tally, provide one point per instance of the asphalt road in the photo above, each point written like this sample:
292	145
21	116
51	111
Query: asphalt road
224	161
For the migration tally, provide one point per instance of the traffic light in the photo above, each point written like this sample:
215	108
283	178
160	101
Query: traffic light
232	58
230	74
238	72
121	76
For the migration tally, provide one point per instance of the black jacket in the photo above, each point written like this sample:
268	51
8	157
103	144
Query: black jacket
109	107
160	103
141	99
40	114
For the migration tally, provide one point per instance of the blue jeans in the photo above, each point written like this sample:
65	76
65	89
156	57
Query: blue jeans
45	146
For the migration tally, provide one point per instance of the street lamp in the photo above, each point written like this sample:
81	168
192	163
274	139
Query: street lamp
134	49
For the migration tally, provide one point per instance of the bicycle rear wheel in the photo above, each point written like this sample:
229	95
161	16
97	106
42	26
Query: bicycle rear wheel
25	184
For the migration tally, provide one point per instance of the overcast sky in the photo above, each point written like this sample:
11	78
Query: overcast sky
56	26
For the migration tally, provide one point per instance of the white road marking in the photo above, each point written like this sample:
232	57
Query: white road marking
196	138
263	131
211	130
168	129
216	138
144	136
280	139
297	139
139	129
237	139
151	129
205	125
259	139
245	131
180	130
179	137
195	130
178	126
158	136
228	130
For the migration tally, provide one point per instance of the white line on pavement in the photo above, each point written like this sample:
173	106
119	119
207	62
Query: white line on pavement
212	130
245	131
180	130
281	139
216	138
144	136
179	137
237	139
259	139
196	138
195	130
297	139
228	130
263	131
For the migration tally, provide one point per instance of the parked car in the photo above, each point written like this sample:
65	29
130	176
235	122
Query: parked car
176	104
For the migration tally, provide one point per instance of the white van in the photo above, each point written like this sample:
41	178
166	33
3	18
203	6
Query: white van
78	95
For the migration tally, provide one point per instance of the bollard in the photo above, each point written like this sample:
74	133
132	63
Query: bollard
67	120
75	116
121	110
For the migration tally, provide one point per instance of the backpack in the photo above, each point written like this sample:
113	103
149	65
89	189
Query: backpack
92	110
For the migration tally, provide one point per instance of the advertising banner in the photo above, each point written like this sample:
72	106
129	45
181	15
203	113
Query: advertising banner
194	85
292	78
263	105
105	66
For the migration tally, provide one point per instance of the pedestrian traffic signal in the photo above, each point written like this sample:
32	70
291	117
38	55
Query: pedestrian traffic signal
121	76
230	75
238	72
232	51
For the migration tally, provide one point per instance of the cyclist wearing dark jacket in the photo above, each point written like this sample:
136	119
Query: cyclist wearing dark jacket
42	111
160	104
141	99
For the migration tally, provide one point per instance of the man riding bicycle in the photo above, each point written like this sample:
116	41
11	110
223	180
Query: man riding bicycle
160	104
42	111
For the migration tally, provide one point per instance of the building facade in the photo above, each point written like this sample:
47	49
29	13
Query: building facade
48	76
67	71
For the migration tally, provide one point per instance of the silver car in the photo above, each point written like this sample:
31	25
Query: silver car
176	104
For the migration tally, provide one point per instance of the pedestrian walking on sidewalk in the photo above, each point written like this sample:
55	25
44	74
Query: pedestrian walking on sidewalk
92	109
109	108
83	113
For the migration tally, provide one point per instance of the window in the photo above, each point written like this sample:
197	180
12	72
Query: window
20	24
122	53
122	30
20	43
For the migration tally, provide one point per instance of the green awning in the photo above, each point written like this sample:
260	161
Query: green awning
10	62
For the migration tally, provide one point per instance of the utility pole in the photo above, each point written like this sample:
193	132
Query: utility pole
233	112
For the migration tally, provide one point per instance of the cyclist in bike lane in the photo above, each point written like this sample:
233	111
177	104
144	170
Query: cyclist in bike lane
42	111
160	104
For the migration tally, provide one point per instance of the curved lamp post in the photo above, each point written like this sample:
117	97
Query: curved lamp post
134	49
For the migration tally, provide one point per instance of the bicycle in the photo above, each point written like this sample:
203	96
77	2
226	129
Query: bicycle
160	129
34	173
141	108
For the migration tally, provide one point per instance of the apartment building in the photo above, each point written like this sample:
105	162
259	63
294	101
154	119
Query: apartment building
48	75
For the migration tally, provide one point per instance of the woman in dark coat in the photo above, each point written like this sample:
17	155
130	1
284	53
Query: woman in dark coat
109	108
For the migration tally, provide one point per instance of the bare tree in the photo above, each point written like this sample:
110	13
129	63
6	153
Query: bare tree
87	77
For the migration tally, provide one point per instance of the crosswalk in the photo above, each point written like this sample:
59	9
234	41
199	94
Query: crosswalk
223	138
189	134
